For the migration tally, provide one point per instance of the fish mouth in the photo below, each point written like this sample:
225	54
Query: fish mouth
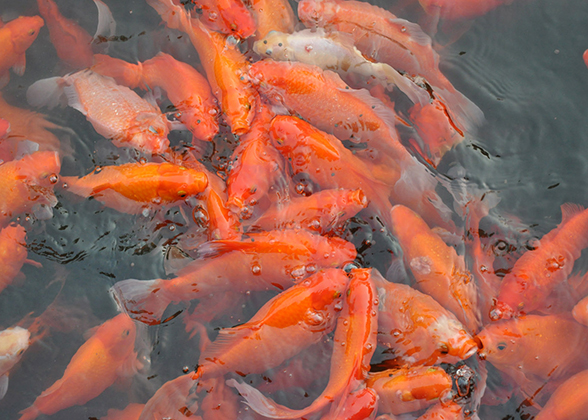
471	352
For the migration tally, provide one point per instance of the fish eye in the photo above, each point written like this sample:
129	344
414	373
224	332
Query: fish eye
501	345
153	130
31	32
443	348
126	333
182	193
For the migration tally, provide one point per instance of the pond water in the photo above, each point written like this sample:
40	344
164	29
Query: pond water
521	64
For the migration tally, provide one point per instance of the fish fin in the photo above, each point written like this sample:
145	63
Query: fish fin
26	147
73	99
46	92
396	273
463	112
384	112
43	211
569	210
4	79
219	247
20	65
175	260
106	24
172	400
177	126
226	339
415	93
262	404
3	385
140	299
415	32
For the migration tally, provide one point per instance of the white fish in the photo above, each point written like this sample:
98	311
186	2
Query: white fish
13	343
335	51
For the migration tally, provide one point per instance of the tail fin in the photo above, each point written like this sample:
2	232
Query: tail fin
46	92
142	300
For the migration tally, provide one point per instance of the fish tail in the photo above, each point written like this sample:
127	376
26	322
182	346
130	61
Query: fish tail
30	413
268	408
46	92
142	300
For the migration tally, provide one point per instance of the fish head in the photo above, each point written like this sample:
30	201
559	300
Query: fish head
316	13
501	343
335	250
118	335
452	338
179	183
149	133
326	293
13	343
24	30
275	45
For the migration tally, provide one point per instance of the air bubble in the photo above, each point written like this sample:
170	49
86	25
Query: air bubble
53	178
256	269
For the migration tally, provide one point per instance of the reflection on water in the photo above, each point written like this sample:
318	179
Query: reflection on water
521	64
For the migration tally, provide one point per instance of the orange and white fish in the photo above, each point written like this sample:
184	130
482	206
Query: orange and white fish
530	349
132	187
13	343
16	37
272	15
417	329
262	261
115	112
72	43
225	66
354	344
383	37
537	272
569	401
409	389
107	355
229	17
437	269
319	212
460	9
188	90
27	183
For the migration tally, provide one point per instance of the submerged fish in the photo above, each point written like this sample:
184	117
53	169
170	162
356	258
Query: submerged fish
13	343
16	37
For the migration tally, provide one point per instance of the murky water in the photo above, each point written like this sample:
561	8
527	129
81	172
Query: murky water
521	64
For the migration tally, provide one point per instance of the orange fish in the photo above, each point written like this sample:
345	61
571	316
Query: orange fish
229	17
225	66
444	411
580	312
27	183
537	272
359	405
263	261
256	167
104	357
188	90
383	37
585	57
13	343
272	15
115	112
409	389
4	128
347	113
72	43
132	187
530	349
16	37
13	253
417	329
460	9
353	347
437	269
569	401
320	212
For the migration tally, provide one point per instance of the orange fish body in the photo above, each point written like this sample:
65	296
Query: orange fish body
409	389
354	344
460	9
272	15
530	349
383	37
133	186
123	72
348	114
585	57
16	37
580	312
437	269
94	367
27	182
326	161
319	212
264	261
446	411
359	405
225	66
284	326
257	166
13	253
130	412
569	401
4	128
229	17
537	272
72	42
418	329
